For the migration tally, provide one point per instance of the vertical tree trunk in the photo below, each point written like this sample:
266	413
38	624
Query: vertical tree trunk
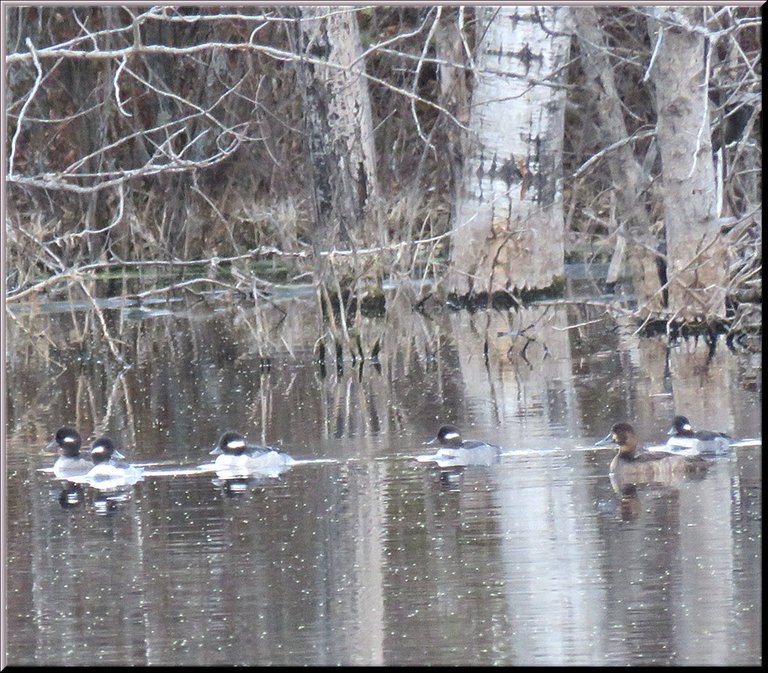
696	252
625	170
454	93
509	227
338	126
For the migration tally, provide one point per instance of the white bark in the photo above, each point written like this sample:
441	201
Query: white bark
454	93
509	226
339	125
696	253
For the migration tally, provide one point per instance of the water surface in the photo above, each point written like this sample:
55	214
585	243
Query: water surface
374	558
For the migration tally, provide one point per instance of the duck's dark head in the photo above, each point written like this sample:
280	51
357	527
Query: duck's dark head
68	441
102	450
448	435
681	427
230	443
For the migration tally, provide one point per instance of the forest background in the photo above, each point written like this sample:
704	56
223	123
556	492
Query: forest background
201	148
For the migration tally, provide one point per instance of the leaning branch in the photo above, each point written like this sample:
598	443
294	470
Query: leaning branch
87	270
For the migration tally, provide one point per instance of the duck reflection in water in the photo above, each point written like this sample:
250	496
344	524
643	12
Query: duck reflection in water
108	502
632	465
234	486
629	501
449	479
72	495
455	452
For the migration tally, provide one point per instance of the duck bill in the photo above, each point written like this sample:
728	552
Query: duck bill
51	447
434	440
118	455
605	441
215	451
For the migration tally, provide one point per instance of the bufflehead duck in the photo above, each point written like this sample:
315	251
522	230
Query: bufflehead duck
110	473
236	458
455	451
69	463
685	440
631	464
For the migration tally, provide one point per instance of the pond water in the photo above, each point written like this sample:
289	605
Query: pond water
371	557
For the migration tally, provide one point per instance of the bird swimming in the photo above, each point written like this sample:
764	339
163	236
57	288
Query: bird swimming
454	451
631	464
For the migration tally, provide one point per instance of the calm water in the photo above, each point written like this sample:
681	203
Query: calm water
375	558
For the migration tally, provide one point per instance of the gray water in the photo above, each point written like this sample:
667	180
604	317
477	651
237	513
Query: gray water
373	557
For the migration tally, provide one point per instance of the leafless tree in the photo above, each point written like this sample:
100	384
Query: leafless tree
173	139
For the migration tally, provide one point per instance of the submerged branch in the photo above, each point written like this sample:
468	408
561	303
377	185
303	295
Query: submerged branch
76	274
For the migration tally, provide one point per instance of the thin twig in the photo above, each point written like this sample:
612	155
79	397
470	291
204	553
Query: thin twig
27	103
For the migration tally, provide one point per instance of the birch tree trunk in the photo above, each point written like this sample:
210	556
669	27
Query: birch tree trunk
625	170
509	226
338	127
696	252
454	93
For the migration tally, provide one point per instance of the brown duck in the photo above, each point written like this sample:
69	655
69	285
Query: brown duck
631	464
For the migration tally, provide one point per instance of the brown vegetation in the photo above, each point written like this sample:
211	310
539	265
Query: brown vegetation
171	139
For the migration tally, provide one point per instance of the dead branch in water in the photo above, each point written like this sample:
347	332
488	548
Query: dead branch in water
262	252
180	155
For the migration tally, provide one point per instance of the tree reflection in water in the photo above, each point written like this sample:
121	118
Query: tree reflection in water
376	558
